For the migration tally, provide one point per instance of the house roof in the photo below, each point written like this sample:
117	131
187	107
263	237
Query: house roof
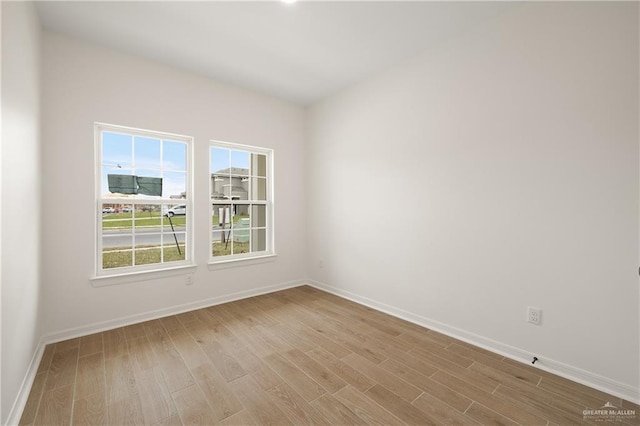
233	171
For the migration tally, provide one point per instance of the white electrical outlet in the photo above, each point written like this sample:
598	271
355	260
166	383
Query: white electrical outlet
534	315
189	279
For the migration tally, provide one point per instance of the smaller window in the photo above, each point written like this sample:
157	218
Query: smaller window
143	186
241	191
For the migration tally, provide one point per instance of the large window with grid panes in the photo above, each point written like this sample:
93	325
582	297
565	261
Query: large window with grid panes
143	186
241	191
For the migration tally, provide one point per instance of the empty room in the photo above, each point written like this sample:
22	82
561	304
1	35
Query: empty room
320	212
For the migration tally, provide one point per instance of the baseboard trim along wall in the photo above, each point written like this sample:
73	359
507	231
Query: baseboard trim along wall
160	313
555	367
569	372
25	388
71	333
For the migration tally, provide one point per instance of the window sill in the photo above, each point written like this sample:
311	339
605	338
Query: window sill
243	261
128	277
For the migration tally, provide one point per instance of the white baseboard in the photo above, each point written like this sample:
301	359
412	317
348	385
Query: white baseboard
575	374
572	373
25	389
85	330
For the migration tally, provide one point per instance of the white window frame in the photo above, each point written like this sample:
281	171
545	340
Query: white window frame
245	258
133	270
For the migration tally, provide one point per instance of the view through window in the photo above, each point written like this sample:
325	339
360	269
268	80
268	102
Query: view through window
241	201
144	194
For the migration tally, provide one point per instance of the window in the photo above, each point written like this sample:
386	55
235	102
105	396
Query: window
144	197
241	201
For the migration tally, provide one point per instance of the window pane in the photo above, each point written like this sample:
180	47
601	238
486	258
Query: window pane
147	255
116	251
174	251
258	240
259	189
174	237
218	185
147	220
146	153
241	222
113	221
117	185
125	211
235	188
117	149
174	155
174	185
221	229
221	215
240	163
166	223
216	233
259	165
142	168
144	240
221	242
149	183
258	215
174	218
241	214
142	172
241	179
240	241
220	161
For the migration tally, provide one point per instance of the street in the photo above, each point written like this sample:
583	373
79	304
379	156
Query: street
147	236
144	236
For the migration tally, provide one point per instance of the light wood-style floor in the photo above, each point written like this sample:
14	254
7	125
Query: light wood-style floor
298	356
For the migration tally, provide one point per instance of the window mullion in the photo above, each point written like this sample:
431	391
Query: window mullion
144	229
232	167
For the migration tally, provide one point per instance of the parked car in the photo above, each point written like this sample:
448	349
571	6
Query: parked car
108	210
179	210
126	209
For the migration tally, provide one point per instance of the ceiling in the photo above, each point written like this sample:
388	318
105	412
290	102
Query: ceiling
300	52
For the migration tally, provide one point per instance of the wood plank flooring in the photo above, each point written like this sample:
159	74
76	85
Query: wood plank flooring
299	356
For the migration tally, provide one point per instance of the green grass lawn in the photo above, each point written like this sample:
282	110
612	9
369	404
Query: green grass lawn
114	257
118	257
141	220
130	215
222	249
124	220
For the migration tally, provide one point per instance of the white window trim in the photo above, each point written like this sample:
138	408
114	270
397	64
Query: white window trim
232	262
245	259
119	275
137	276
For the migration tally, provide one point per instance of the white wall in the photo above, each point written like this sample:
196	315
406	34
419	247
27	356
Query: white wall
84	83
20	222
497	172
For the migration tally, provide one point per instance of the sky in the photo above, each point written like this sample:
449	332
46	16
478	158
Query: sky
143	156
224	158
154	157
